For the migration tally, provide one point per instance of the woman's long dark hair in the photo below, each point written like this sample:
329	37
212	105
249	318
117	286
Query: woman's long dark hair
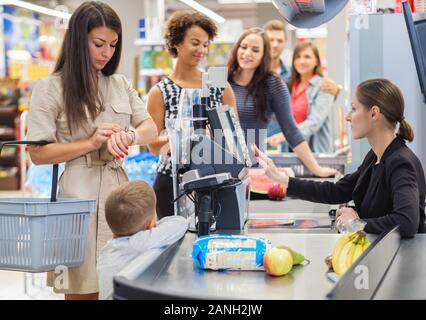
258	86
80	91
295	76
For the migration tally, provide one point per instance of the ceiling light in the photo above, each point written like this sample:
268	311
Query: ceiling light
242	1
37	8
195	5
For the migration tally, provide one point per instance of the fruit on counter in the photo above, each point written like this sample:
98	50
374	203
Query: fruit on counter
276	191
347	249
277	261
259	182
328	261
298	258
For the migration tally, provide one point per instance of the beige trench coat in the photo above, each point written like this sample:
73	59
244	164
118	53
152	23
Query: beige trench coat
92	176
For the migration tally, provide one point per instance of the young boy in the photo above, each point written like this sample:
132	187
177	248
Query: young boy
130	213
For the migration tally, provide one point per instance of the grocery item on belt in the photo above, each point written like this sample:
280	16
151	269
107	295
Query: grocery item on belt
229	252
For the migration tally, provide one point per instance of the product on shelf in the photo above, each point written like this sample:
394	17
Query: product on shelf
148	59
9	97
218	54
163	60
420	6
155	63
8	151
40	179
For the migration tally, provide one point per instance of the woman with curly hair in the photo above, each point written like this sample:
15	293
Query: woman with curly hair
188	35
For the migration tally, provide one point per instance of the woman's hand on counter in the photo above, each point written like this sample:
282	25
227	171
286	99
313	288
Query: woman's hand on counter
325	172
270	169
103	134
346	213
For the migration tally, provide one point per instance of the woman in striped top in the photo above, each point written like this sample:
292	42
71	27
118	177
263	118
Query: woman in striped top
260	93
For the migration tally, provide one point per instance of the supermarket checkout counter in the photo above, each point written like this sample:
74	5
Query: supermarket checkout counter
396	267
174	273
290	216
303	216
395	270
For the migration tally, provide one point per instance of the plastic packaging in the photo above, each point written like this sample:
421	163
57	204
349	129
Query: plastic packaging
40	179
229	252
141	167
350	225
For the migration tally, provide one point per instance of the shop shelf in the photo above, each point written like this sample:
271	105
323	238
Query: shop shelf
9	183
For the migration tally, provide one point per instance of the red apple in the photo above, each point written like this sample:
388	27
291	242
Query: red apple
276	192
277	261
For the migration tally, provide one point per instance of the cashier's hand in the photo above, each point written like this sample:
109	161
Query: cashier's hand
270	169
346	213
276	139
118	144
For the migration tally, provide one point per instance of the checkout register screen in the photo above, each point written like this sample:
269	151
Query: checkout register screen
225	128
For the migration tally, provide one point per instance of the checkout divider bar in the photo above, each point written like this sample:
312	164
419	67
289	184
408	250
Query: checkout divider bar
364	277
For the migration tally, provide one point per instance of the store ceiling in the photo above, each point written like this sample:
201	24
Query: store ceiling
252	14
171	5
213	5
71	4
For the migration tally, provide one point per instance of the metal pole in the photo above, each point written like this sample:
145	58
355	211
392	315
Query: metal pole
23	154
23	164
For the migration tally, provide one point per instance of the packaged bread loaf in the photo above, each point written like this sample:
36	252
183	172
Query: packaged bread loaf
229	252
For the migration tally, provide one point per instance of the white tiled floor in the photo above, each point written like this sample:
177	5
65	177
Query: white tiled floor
25	286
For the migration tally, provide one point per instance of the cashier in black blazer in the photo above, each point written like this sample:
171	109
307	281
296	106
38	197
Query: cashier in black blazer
388	189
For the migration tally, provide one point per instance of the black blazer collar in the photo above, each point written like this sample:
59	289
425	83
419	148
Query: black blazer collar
396	144
363	181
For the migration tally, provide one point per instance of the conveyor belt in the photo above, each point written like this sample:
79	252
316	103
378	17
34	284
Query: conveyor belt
175	273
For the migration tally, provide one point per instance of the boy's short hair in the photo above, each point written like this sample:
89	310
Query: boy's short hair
130	208
276	25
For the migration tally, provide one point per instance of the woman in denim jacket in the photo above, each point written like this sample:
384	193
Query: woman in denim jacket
312	108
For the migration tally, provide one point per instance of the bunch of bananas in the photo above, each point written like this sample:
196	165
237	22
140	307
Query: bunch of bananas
347	249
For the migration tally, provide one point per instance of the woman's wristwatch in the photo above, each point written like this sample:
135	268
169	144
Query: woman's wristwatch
135	139
339	89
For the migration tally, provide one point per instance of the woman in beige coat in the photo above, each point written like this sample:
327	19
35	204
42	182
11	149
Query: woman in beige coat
86	110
